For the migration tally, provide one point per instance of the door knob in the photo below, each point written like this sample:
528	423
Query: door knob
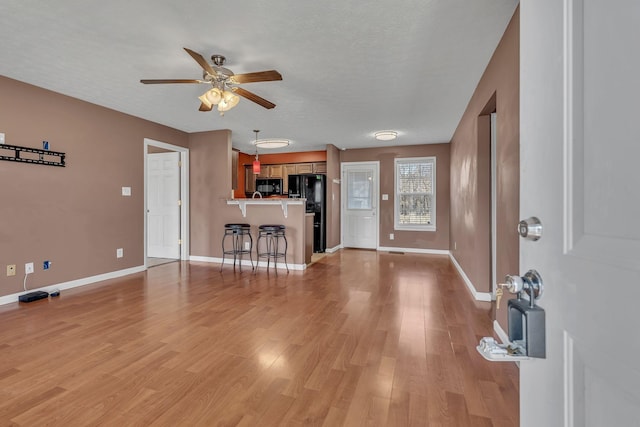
530	283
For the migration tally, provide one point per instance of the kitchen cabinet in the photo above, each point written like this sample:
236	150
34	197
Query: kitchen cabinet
280	171
264	171
249	180
275	171
234	169
286	171
320	167
304	168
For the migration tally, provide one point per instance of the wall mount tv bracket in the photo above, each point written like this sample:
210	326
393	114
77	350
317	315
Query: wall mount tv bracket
31	155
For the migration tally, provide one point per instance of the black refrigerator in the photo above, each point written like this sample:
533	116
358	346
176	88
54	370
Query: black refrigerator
312	187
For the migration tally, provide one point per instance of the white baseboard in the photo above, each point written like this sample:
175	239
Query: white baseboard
414	250
334	249
7	299
479	296
246	262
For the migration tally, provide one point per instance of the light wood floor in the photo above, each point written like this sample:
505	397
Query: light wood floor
359	338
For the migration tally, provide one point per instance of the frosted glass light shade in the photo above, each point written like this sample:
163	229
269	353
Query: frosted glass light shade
272	143
203	98
228	101
214	96
386	135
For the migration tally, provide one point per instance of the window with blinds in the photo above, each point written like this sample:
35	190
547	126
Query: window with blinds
415	198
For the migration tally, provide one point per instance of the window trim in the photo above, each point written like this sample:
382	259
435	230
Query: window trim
396	203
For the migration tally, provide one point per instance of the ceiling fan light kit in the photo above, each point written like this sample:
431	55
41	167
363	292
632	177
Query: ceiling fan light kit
224	92
386	135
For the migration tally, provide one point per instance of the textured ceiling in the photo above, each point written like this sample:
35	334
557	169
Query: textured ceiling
349	68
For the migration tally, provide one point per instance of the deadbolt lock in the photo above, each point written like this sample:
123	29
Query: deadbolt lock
530	228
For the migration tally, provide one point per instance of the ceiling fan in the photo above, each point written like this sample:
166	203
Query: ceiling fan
224	90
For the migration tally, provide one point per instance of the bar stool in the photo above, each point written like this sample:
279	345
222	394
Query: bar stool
272	235
237	232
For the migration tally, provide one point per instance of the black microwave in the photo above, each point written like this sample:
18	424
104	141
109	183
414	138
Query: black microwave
269	186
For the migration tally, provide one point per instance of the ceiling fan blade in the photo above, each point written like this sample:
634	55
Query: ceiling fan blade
260	76
200	60
253	97
163	81
204	107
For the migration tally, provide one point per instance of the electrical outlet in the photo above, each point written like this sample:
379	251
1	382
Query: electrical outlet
28	268
455	245
247	245
391	236
11	270
119	253
46	265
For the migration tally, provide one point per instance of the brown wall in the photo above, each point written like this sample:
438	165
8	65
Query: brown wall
210	187
74	216
385	155
498	90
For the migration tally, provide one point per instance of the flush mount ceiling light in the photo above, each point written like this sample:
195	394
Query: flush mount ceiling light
386	135
272	143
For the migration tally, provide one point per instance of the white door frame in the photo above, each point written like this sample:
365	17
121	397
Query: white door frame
184	194
343	197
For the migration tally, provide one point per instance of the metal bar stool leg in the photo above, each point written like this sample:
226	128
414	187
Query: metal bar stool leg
237	232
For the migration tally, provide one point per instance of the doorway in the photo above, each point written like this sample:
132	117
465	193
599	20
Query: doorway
166	202
360	205
487	188
494	202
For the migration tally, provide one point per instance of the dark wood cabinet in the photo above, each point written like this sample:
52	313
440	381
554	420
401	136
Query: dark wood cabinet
234	169
249	180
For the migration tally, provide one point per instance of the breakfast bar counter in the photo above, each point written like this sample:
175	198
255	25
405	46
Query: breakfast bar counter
256	212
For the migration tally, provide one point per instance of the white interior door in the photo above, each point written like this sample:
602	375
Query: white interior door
579	174
163	196
360	205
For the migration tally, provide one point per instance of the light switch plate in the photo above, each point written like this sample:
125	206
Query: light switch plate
126	191
1	138
385	197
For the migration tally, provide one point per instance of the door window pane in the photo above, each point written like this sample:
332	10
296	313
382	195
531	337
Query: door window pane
359	190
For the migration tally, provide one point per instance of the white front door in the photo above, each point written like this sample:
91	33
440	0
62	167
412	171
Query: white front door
360	205
579	157
163	195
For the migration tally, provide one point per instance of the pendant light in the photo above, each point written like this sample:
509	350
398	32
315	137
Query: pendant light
256	162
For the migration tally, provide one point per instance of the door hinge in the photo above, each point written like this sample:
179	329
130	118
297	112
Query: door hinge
179	241
179	163
179	202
